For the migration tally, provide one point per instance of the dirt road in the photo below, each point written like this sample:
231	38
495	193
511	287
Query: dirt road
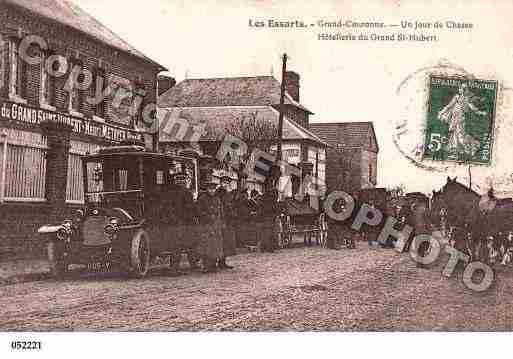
293	289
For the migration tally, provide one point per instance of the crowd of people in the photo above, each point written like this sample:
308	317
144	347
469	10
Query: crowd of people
220	221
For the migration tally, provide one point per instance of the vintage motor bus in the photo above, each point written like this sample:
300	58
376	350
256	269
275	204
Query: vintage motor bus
130	216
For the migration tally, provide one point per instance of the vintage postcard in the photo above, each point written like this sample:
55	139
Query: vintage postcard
254	166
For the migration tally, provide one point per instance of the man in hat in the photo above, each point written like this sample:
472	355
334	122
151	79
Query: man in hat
178	206
267	212
210	214
228	200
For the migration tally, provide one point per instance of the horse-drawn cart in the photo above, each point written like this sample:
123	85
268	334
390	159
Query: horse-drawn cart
298	219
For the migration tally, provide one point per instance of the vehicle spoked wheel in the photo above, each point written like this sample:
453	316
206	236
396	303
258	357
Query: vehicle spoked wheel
56	259
140	255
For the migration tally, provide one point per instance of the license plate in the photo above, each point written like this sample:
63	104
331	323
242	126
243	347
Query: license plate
99	266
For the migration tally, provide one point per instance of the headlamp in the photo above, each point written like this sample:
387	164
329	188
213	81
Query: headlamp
111	228
62	234
79	215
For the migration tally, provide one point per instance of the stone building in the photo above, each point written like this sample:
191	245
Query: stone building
218	106
352	158
45	125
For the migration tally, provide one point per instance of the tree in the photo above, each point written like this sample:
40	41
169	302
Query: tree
256	132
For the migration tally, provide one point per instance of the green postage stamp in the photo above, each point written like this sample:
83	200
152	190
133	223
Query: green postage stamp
460	120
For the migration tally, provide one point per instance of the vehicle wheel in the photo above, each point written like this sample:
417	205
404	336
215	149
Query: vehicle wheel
58	266
140	255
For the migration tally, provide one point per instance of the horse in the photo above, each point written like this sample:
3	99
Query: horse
412	210
477	225
452	208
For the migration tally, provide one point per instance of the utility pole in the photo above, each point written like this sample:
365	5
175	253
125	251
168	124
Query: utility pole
282	103
317	171
469	177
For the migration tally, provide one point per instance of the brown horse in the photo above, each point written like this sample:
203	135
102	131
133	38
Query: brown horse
478	232
454	207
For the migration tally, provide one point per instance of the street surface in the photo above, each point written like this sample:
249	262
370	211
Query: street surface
292	289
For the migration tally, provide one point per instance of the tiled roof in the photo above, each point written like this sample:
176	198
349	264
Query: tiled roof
218	119
346	134
67	13
232	91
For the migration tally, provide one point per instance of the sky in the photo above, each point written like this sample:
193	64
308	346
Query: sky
379	81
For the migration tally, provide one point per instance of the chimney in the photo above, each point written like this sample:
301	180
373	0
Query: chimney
292	84
164	83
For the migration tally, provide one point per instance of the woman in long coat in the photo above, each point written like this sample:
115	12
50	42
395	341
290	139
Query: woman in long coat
210	228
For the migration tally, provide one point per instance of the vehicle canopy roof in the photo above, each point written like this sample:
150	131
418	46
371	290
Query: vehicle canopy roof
130	152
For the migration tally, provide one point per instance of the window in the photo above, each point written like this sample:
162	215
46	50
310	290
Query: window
160	177
47	85
97	89
120	108
138	102
3	55
17	72
24	172
75	186
122	184
75	97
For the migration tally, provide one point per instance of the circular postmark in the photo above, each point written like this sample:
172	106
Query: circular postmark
450	120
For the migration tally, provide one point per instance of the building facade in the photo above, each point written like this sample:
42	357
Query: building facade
68	85
242	107
352	157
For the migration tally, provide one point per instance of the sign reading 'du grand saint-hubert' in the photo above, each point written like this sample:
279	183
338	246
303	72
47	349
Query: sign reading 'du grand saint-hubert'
15	112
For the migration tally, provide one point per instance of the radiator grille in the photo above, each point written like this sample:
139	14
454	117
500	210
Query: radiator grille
93	231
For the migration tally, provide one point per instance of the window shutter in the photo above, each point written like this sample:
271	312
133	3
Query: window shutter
22	74
3	56
99	73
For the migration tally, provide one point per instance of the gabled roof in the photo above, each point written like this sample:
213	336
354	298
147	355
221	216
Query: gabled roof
347	134
218	119
230	91
69	14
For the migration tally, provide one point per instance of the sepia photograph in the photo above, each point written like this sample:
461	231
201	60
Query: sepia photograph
301	170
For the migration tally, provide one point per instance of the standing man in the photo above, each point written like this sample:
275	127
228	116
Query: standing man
268	211
178	212
210	214
228	201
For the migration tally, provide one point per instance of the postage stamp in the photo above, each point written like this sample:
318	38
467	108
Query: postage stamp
460	120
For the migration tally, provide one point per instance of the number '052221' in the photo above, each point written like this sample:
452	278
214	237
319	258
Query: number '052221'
26	345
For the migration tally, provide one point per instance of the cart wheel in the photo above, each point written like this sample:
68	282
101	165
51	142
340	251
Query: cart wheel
58	266
140	255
